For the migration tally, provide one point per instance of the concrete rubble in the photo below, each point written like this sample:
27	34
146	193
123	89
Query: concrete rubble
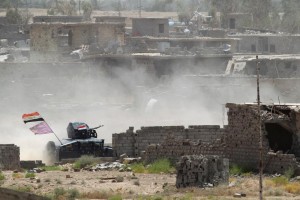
202	171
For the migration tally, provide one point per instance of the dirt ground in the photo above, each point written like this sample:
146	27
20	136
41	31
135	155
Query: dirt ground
137	186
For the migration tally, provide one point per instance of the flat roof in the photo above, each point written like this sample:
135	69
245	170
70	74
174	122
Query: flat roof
75	23
162	39
108	17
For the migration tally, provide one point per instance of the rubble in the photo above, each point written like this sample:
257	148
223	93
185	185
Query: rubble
202	171
108	166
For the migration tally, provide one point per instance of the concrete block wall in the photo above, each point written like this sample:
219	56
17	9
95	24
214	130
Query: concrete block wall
137	142
242	136
173	148
280	163
199	170
9	157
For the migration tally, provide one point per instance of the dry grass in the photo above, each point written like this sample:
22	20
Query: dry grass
17	175
293	188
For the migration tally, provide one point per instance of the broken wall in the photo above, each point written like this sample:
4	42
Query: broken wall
134	143
9	157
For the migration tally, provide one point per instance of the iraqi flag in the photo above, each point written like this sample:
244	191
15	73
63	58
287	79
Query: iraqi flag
37	123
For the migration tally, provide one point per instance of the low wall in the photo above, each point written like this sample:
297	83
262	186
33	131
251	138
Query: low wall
9	157
134	143
8	194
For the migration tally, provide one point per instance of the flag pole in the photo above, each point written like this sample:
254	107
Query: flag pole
54	133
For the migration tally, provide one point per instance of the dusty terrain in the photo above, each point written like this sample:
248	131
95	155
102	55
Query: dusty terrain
99	184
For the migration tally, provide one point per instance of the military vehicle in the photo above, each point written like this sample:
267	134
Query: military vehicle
82	140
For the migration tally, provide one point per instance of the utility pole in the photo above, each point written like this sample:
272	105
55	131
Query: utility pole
140	8
260	134
119	8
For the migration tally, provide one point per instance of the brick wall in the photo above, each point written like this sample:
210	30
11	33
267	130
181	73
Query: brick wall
9	157
136	142
238	141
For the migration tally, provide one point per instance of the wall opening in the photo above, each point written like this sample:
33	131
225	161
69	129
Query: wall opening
280	139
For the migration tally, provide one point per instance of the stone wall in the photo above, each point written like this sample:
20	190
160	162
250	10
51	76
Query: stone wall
134	143
9	157
199	171
238	141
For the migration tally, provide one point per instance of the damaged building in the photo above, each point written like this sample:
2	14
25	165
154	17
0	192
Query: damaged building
238	141
53	41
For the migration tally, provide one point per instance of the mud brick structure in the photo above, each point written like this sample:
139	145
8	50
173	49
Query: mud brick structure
51	41
238	141
9	157
134	143
199	170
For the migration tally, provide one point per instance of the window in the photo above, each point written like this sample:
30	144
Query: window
232	23
253	48
161	28
272	48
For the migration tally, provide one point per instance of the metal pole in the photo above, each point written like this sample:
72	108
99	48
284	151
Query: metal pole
140	8
260	135
54	133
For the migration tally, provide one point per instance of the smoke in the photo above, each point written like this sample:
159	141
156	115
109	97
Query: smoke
117	97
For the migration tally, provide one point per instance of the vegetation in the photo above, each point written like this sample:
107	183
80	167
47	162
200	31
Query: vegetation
29	175
17	175
158	166
239	170
84	161
2	177
52	168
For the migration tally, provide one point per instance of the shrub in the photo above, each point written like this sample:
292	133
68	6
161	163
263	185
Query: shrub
138	168
280	181
29	175
2	177
293	188
136	182
235	170
58	193
52	168
83	162
24	189
162	165
73	194
95	195
115	197
289	173
17	175
119	179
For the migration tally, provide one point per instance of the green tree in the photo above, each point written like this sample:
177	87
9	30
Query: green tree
291	17
87	10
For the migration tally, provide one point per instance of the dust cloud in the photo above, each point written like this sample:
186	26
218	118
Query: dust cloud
117	98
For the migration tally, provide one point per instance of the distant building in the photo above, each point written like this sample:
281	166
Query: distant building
237	20
105	19
156	27
268	43
49	41
57	18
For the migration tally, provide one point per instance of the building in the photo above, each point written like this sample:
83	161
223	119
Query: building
57	18
50	41
105	19
238	141
237	20
268	43
155	27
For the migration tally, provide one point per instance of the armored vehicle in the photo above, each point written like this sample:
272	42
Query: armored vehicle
82	140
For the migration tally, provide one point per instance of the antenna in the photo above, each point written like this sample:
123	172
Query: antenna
260	134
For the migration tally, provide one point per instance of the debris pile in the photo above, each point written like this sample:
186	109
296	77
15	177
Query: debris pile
108	166
202	171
